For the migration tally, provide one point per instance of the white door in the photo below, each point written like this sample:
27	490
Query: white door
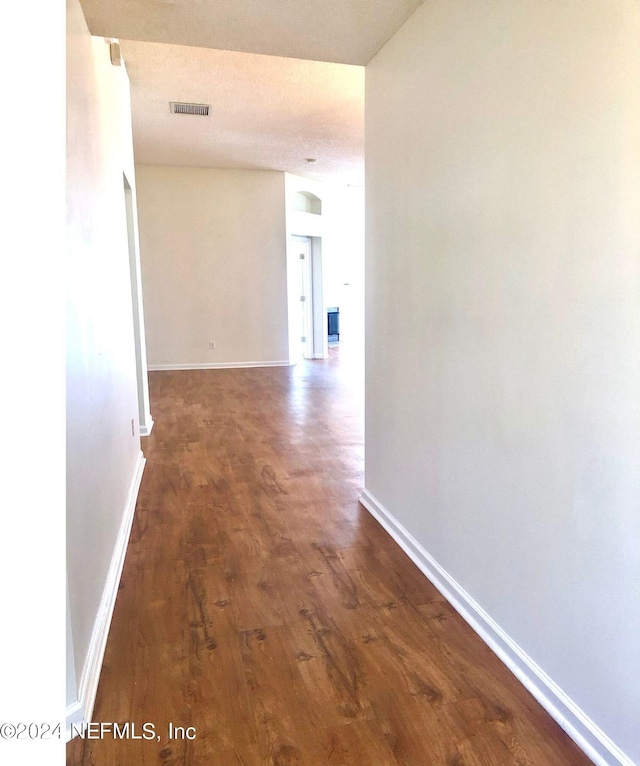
305	315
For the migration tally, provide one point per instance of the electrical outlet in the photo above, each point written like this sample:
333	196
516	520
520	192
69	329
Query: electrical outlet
212	345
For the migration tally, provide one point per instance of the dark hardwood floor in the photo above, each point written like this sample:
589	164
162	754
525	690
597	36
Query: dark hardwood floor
262	605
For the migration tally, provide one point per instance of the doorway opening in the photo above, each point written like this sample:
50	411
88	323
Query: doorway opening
331	218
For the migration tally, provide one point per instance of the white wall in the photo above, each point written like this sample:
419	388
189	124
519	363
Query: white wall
503	323
102	455
212	246
345	266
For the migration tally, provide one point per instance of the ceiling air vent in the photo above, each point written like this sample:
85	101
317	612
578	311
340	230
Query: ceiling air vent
180	108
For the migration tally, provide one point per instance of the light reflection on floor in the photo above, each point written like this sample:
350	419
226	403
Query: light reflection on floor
341	377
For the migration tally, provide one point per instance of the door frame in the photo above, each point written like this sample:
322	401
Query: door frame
142	376
316	346
305	272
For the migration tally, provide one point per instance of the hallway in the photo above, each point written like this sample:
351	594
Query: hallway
262	605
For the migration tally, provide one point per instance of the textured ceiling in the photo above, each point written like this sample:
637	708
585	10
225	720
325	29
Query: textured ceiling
281	77
266	112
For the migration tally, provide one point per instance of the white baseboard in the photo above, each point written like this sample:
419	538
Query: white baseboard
146	429
74	717
587	735
88	687
217	366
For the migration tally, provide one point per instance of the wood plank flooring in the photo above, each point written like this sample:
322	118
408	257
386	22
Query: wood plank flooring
262	605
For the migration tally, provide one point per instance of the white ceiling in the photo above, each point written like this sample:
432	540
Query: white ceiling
282	78
266	112
341	31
